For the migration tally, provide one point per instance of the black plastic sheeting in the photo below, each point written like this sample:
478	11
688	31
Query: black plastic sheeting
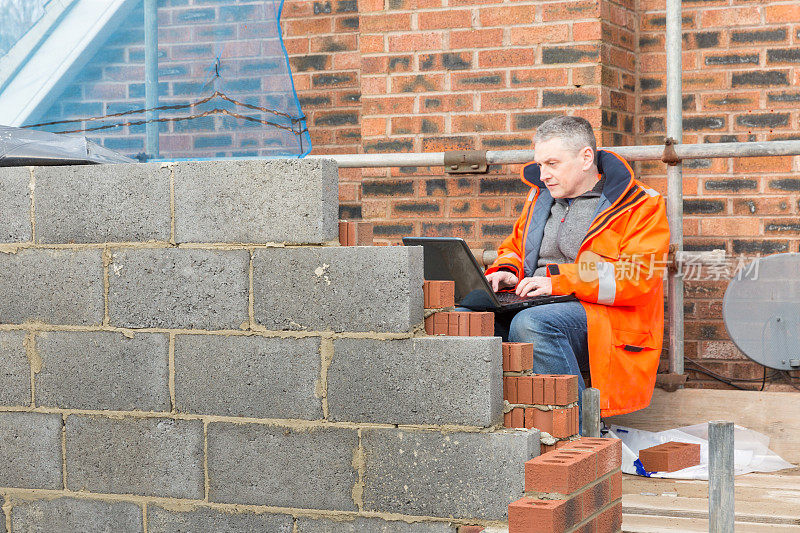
23	147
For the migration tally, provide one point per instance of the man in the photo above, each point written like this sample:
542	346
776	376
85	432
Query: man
590	229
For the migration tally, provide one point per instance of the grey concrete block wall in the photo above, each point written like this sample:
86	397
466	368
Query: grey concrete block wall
72	515
160	520
15	370
250	376
258	201
445	474
30	450
15	205
52	286
427	380
310	468
338	288
103	370
148	456
371	525
102	203
179	288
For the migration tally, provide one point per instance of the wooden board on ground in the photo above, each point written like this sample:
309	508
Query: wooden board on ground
770	413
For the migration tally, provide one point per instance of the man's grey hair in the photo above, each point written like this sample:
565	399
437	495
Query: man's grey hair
575	132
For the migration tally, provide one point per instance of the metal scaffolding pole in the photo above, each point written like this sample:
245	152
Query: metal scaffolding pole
675	184
630	153
151	76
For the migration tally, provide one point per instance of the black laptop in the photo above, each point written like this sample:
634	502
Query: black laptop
448	258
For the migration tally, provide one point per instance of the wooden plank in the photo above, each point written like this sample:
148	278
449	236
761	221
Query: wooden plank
659	524
770	413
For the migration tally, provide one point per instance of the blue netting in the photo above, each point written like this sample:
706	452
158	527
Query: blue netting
224	83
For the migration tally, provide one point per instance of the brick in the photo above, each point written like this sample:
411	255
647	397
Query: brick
15	204
147	456
72	514
542	420
525	390
481	324
439	294
179	288
400	381
282	466
281	382
566	389
453	475
510	389
286	279
782	13
529	515
30	450
246	201
103	370
518	418
538	389
161	520
608	452
563	471
15	373
441	324
761	78
610	520
52	286
360	524
670	456
355	233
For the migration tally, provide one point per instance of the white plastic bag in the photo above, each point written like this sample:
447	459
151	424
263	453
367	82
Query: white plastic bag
751	451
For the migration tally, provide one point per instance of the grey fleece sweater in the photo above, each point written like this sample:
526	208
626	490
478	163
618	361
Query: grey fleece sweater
566	227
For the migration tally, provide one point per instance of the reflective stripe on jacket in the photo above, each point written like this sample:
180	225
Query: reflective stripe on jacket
617	277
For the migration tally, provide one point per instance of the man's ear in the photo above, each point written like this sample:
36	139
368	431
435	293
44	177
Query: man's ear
588	157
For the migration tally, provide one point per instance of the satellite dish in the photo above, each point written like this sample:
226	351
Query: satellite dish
761	311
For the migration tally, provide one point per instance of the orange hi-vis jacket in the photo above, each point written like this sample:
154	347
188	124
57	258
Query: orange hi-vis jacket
617	277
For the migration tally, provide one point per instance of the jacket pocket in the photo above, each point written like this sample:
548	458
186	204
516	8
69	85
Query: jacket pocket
633	341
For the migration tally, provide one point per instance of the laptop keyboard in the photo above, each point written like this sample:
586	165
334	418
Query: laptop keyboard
511	297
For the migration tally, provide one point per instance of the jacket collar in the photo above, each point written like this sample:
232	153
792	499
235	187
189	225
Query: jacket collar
618	175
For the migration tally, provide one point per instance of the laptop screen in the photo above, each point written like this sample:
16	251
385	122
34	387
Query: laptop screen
450	259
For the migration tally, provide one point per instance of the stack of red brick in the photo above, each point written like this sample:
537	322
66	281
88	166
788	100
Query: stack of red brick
547	402
577	488
441	295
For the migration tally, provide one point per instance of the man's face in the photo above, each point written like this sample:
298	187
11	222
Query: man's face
563	170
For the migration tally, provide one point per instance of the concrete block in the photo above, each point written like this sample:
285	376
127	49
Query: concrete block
255	377
258	201
52	286
425	380
445	474
339	289
103	370
15	204
144	456
102	203
15	370
161	520
67	515
30	450
373	525
280	466
179	288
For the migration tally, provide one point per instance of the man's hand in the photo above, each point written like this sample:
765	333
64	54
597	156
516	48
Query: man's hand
501	279
535	286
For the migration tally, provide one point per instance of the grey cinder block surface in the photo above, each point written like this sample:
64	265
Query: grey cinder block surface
338	288
15	370
102	203
250	376
310	468
426	380
103	370
445	474
15	204
72	515
257	201
372	525
146	456
179	288
160	520
30	450
52	286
